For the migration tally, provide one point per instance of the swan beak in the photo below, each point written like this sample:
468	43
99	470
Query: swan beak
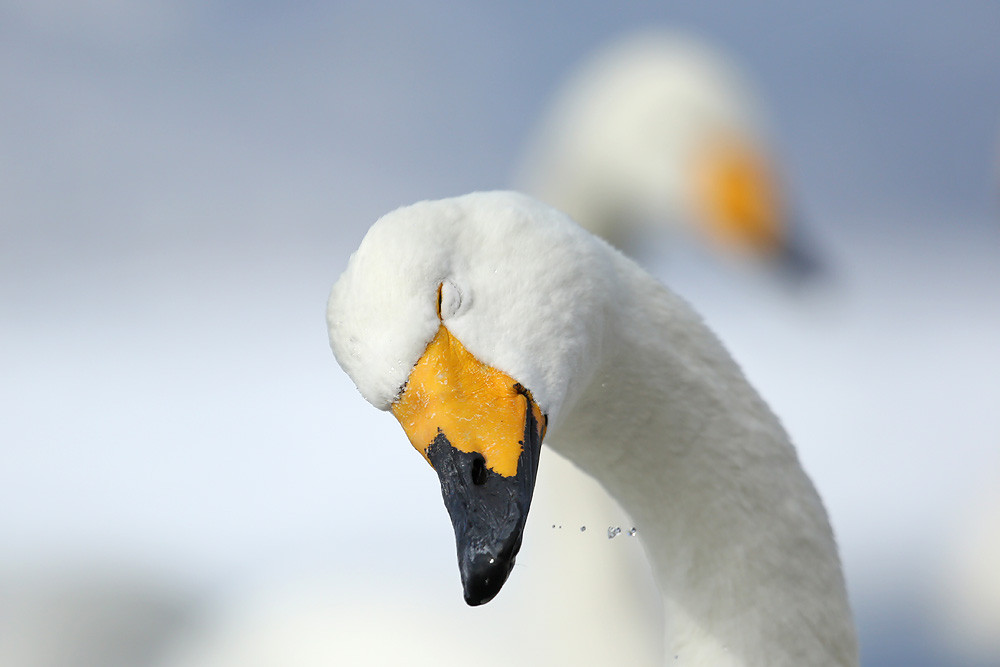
738	197
482	433
798	259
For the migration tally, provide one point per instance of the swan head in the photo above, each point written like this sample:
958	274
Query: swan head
476	321
659	128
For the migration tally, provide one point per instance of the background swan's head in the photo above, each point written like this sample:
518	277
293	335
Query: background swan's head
661	129
522	287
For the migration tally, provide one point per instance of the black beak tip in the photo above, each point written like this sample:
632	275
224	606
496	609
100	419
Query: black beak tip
487	510
483	576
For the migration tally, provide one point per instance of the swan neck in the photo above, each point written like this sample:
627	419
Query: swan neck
736	534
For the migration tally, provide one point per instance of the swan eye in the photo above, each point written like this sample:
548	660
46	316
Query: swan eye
449	300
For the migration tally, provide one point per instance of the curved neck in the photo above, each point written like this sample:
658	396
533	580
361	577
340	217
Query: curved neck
737	535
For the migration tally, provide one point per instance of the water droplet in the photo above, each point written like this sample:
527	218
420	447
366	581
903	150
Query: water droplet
632	532
492	561
583	528
613	531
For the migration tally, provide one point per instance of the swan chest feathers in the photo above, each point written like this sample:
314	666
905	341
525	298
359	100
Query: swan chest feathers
490	322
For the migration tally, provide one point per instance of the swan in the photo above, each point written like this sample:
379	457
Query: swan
490	322
661	129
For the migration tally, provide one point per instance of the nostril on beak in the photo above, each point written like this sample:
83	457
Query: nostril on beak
479	470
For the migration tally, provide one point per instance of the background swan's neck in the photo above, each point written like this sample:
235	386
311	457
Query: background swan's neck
736	533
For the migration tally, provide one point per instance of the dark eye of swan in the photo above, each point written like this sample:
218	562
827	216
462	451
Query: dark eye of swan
449	299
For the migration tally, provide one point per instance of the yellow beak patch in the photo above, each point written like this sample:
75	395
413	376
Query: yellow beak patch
477	407
738	197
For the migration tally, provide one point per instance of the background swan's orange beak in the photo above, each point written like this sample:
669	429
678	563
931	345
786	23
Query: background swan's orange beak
482	432
739	198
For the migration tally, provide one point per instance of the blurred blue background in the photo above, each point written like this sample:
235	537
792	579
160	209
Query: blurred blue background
181	183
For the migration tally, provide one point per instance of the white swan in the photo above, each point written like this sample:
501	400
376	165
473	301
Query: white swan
661	129
486	321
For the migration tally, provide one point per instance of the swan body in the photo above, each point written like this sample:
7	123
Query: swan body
661	130
634	390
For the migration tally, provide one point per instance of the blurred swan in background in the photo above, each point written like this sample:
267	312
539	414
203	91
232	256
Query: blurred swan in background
660	130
